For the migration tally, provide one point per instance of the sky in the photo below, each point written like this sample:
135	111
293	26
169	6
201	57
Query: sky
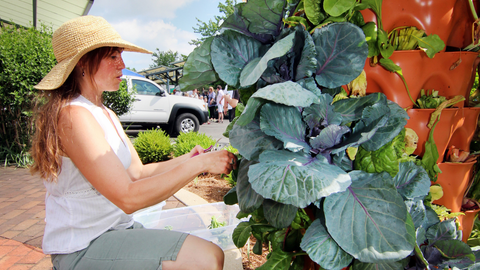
151	24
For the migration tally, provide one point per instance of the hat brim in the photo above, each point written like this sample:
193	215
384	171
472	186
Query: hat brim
60	72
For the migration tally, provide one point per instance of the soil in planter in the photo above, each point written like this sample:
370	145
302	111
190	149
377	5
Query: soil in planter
212	188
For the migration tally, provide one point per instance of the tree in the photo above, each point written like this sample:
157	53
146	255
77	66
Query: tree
26	56
161	58
210	28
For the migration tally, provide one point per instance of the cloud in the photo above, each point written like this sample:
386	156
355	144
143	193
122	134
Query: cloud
126	9
153	35
156	34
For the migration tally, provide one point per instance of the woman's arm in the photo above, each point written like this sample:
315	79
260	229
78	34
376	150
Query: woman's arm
233	102
138	170
83	141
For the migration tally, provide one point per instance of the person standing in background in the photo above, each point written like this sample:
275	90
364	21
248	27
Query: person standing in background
220	103
211	103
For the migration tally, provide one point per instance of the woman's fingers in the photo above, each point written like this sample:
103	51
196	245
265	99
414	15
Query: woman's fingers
221	162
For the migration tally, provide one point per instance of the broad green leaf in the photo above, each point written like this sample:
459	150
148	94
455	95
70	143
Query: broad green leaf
396	265
396	123
364	130
412	181
241	233
386	50
311	85
265	16
250	112
322	249
231	197
313	10
315	114
370	31
338	7
445	230
352	109
329	137
278	214
278	260
417	211
251	73
231	51
295	178
341	61
308	59
455	249
284	123
389	65
237	22
248	199
198	69
369	220
251	141
287	93
430	156
431	44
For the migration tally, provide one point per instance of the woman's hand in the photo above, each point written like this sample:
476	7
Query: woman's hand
218	162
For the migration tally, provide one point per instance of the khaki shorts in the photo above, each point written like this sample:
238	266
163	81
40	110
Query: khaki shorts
134	248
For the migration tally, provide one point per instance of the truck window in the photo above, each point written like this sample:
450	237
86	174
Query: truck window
145	88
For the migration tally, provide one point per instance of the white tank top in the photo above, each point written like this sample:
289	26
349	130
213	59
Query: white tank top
76	213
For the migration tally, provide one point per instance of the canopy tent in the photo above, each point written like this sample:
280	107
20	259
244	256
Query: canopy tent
52	13
131	73
165	75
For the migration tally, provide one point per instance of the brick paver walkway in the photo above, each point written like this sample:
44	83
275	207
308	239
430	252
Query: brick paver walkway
22	220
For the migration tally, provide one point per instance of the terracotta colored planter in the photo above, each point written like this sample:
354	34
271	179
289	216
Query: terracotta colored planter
466	223
421	72
454	179
467	125
451	20
442	134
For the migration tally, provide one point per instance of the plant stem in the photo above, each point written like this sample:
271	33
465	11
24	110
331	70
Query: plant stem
472	8
475	17
408	91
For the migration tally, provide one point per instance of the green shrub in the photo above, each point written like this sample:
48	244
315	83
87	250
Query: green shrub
120	101
153	146
186	142
26	56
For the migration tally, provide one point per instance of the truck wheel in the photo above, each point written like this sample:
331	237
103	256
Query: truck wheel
186	123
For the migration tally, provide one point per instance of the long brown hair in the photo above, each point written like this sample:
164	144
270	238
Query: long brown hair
46	149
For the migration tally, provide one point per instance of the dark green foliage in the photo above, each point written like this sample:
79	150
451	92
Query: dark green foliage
187	141
26	56
153	146
119	101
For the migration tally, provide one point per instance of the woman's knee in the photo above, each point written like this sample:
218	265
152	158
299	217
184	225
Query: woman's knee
197	253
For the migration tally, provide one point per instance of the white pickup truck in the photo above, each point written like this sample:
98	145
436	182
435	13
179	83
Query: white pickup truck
154	107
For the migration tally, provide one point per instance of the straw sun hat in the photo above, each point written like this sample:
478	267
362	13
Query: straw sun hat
74	39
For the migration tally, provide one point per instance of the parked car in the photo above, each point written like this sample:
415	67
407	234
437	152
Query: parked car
153	107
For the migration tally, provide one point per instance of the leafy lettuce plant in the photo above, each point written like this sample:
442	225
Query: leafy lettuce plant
296	179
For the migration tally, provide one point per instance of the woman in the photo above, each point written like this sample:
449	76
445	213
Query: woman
212	105
93	175
220	103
